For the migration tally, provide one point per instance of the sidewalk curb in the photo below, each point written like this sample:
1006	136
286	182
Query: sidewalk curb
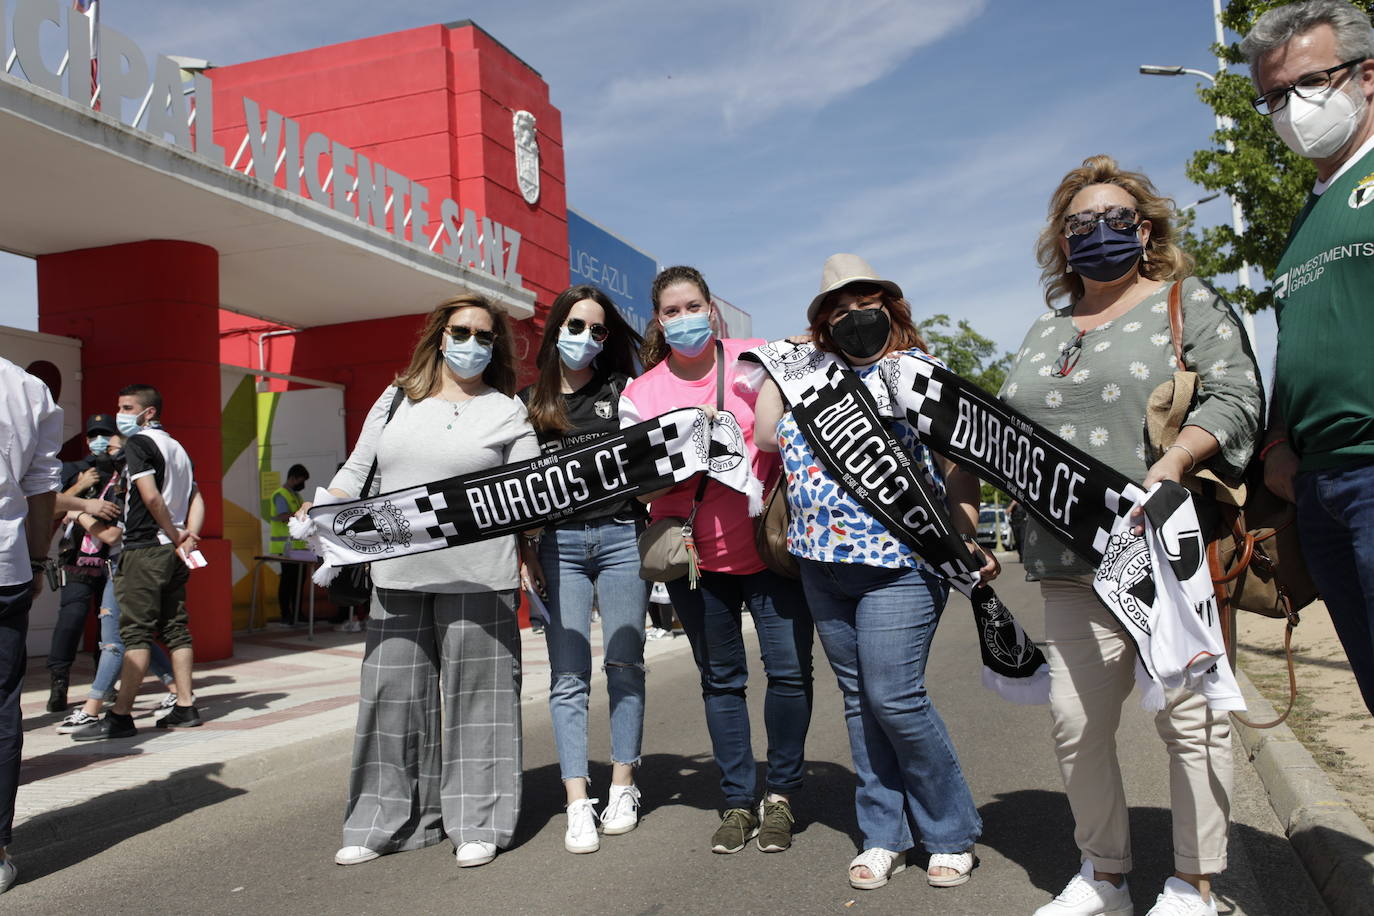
187	788
1335	846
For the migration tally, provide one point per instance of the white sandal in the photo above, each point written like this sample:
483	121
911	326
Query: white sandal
961	863
881	863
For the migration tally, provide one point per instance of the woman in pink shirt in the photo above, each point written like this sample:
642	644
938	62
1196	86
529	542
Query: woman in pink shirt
680	356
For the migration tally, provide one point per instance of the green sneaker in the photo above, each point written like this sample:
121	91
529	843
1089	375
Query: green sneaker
775	834
737	828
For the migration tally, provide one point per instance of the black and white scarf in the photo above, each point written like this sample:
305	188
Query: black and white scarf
841	421
648	456
1082	501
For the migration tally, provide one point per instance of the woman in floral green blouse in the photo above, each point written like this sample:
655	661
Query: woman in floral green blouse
1085	371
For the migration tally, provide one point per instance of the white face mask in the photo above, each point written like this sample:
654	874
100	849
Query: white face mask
1319	127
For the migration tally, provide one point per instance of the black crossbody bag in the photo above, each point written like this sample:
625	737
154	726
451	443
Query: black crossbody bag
353	585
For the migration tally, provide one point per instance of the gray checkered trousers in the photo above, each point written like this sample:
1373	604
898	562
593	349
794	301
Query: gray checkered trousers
437	749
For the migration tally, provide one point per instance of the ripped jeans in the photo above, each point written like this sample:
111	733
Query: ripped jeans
582	560
112	649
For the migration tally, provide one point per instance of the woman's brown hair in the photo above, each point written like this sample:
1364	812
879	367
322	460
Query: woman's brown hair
1163	260
904	335
424	376
655	349
548	412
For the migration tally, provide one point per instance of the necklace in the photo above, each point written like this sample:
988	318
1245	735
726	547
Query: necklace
458	408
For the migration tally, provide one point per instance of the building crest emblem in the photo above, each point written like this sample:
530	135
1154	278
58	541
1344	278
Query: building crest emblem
526	156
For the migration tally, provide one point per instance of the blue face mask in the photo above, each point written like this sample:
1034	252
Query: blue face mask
468	359
127	423
99	444
577	350
1105	254
689	334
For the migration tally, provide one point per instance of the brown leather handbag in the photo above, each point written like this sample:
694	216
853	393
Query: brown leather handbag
770	532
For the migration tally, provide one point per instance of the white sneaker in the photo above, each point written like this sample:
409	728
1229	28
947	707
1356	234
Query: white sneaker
1182	899
8	874
474	852
1085	897
355	855
622	811
581	835
656	633
75	720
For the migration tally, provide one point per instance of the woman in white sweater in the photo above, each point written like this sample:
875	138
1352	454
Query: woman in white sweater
443	629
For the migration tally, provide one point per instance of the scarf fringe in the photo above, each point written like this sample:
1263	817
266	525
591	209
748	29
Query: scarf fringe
1021	691
1151	692
326	574
754	490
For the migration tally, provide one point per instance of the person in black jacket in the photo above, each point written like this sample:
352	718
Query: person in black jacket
83	560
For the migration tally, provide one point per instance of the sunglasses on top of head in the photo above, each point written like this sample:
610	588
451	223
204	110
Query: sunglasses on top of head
1119	218
576	326
461	332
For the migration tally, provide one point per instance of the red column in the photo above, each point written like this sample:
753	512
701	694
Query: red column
148	313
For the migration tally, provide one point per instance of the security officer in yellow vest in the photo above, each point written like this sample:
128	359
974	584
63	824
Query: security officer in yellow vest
285	501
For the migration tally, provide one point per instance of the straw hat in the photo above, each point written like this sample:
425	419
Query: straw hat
841	270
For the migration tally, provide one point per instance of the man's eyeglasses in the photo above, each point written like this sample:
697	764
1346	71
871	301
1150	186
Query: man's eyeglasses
1068	357
461	332
1118	218
576	326
1310	86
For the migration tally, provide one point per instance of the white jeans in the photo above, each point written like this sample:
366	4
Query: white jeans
1092	672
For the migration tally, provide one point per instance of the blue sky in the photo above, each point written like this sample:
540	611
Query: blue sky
753	138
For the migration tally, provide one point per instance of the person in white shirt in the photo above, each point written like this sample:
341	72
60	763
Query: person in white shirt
30	474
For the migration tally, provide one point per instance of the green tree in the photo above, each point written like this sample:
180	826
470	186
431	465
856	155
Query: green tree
1270	181
968	354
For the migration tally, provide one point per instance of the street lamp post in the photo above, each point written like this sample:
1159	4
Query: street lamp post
1223	124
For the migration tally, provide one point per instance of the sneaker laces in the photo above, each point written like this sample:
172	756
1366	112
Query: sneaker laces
621	796
79	717
775	811
581	817
1078	889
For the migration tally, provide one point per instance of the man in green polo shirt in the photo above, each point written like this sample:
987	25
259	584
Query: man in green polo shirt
1313	64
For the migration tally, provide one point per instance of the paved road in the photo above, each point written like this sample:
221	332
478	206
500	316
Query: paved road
269	848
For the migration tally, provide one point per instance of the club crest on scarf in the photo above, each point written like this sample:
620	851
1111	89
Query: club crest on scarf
371	529
1125	574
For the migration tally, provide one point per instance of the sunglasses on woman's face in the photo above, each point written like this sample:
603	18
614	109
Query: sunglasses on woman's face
1118	218
461	332
576	326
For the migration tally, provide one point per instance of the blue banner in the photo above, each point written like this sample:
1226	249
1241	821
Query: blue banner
622	271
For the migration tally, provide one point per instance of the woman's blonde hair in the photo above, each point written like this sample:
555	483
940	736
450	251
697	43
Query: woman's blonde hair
424	376
1163	260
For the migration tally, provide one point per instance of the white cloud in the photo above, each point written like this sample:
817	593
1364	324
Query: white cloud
758	60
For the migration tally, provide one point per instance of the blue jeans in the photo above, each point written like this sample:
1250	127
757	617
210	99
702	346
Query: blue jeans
582	560
876	625
15	601
112	649
1336	522
710	616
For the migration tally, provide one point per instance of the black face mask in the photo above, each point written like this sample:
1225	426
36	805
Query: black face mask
298	486
862	333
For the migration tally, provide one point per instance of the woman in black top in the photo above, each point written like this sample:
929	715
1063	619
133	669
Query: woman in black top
585	359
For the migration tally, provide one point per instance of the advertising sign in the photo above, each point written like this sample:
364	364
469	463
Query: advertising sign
622	271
